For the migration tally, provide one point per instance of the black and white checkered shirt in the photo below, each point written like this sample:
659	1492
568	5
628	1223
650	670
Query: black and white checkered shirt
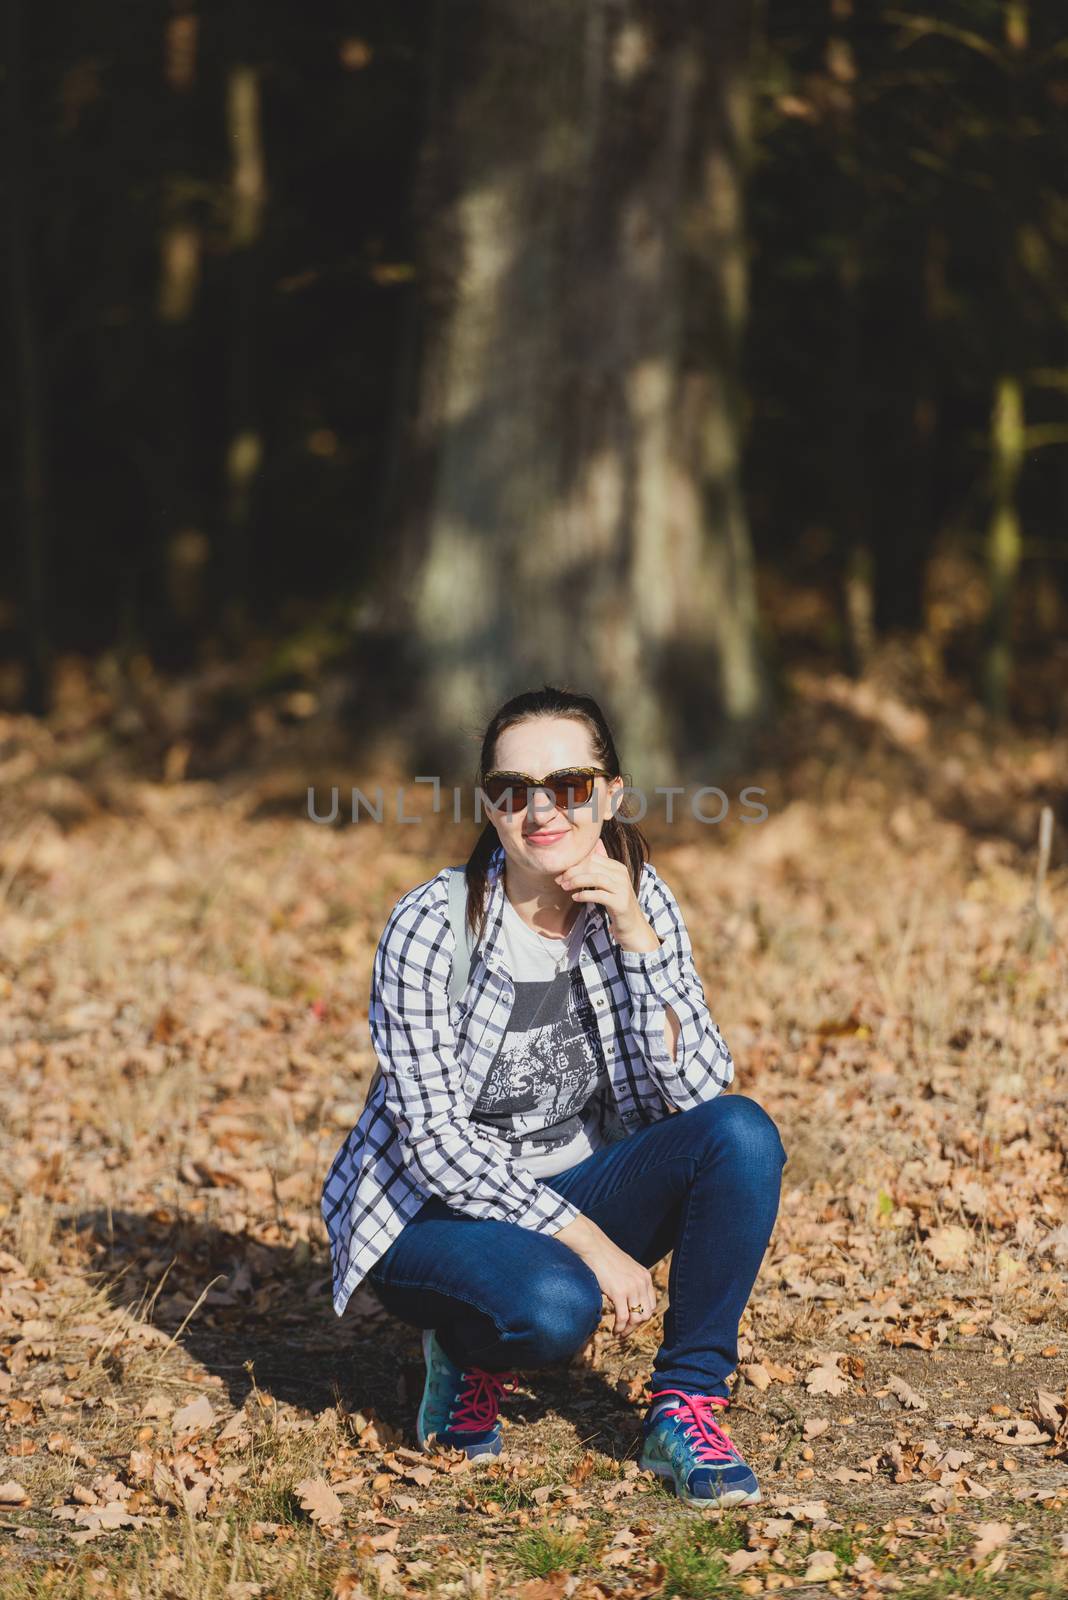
415	1138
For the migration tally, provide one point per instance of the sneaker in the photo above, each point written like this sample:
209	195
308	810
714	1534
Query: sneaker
685	1445
459	1408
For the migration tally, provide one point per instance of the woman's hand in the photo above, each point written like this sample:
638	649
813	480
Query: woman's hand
599	877
622	1279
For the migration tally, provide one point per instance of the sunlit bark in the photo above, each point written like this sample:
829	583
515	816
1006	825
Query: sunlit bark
248	198
28	384
183	541
576	512
1004	540
846	465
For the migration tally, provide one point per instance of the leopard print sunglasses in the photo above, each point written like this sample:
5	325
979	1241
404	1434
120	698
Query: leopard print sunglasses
569	787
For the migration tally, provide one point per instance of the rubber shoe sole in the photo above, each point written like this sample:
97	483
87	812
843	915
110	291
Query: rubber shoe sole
737	1495
729	1497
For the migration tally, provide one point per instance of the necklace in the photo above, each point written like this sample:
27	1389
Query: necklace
555	938
564	960
547	940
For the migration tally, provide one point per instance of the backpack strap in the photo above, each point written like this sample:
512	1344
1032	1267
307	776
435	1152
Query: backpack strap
461	961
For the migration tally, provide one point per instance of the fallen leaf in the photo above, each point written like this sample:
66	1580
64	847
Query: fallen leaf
822	1566
1020	1430
827	1377
950	1246
906	1394
1008	1268
552	1587
806	1511
1050	1408
990	1536
740	1561
320	1502
194	1417
157	1405
347	1586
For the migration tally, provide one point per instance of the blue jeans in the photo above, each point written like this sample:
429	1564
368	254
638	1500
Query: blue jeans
703	1184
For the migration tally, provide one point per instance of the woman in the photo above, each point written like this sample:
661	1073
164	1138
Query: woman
515	1161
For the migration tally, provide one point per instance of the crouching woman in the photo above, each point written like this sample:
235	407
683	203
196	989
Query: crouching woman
535	1144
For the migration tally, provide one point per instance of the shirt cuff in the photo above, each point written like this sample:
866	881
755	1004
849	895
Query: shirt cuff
548	1213
649	973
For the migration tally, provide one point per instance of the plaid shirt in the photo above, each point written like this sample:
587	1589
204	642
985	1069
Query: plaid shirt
414	1138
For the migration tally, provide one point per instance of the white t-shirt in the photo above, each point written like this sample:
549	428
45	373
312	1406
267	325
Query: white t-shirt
548	1091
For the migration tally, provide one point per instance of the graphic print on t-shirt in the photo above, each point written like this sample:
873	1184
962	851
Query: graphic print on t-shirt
548	1069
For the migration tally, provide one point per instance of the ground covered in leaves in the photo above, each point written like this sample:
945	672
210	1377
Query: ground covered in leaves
184	967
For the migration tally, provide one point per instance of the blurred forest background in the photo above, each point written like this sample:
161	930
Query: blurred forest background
372	361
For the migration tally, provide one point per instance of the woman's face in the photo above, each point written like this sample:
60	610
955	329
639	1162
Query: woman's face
542	838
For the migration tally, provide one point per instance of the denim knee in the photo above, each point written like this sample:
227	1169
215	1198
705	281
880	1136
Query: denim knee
561	1307
746	1127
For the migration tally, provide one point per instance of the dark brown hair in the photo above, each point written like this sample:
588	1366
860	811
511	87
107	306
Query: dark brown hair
623	840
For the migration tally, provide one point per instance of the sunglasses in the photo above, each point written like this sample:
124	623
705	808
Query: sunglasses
570	787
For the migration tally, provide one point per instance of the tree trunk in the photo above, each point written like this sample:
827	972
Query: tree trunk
248	199
183	545
575	514
28	388
848	478
1004	538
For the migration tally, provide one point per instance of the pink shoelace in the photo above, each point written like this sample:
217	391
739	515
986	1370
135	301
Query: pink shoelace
714	1444
478	1404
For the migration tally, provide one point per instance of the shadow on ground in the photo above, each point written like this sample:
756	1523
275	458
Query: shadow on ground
268	1321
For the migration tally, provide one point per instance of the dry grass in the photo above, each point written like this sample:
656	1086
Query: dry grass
183	985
